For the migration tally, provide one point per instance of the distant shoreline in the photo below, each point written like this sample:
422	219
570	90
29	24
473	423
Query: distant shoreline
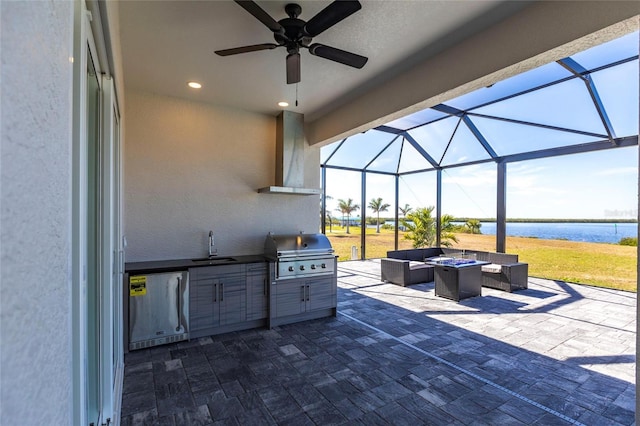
493	220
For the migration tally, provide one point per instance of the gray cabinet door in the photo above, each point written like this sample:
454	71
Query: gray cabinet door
204	308
257	300
218	297
298	296
290	297
232	299
320	294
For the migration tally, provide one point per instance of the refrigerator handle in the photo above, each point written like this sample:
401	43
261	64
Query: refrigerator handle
179	290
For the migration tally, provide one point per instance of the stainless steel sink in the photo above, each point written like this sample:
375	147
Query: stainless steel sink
215	259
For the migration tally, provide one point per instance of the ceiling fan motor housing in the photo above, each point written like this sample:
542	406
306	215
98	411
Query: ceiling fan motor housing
294	34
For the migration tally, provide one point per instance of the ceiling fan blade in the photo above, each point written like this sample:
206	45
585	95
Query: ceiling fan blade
246	49
338	55
262	16
293	68
331	15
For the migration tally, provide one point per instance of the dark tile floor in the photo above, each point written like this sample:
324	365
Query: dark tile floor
397	355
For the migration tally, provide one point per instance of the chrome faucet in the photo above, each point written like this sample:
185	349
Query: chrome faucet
212	250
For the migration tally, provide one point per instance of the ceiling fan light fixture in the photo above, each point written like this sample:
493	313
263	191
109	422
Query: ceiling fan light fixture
293	68
194	85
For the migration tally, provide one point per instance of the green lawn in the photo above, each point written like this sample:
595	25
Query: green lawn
604	265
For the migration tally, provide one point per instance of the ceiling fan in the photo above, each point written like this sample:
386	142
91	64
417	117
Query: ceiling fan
293	34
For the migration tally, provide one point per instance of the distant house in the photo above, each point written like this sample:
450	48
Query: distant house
391	223
353	221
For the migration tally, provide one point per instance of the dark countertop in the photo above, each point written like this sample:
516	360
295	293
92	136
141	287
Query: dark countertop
171	265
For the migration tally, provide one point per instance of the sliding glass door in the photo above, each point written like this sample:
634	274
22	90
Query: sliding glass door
97	236
94	251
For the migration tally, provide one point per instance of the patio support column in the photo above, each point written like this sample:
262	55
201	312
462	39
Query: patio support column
363	216
638	296
438	205
397	208
323	201
501	208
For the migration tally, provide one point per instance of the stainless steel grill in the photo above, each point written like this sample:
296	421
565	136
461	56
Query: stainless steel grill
300	255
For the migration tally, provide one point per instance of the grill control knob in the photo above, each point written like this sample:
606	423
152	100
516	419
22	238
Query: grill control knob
302	267
313	266
290	268
323	266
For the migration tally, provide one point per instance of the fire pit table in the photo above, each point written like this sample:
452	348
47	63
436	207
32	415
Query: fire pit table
457	279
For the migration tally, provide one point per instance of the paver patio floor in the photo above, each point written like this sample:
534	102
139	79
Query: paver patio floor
556	353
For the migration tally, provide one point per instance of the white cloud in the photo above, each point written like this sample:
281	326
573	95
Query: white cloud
618	171
472	176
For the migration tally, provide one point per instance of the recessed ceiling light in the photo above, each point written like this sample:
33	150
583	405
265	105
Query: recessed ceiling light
194	85
283	104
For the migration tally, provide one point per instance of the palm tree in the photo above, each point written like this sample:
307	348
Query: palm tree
473	226
328	216
330	219
347	207
376	205
405	210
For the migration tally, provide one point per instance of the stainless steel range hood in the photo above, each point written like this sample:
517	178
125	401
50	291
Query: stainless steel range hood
289	157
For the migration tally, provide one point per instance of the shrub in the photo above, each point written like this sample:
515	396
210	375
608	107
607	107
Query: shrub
473	226
629	241
421	228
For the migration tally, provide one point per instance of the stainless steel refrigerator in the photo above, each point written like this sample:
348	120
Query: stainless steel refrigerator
158	309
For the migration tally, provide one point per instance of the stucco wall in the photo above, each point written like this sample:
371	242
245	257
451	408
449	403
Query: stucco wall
35	199
191	167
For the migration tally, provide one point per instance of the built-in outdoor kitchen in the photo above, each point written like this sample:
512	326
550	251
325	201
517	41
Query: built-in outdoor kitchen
261	262
174	300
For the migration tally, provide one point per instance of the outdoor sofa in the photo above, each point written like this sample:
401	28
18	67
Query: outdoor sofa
407	267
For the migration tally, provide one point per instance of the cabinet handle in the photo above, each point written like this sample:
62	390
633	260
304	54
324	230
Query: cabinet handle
308	292
264	287
302	288
179	290
221	292
215	292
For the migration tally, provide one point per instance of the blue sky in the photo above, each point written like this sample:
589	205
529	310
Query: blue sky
598	185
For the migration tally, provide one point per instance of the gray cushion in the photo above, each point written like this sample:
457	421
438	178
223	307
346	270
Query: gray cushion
492	268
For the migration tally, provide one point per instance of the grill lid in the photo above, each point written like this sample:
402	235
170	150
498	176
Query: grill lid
297	245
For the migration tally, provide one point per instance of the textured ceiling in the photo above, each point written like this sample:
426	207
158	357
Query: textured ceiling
167	43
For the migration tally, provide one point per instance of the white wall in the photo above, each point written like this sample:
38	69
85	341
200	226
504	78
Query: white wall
35	200
191	167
